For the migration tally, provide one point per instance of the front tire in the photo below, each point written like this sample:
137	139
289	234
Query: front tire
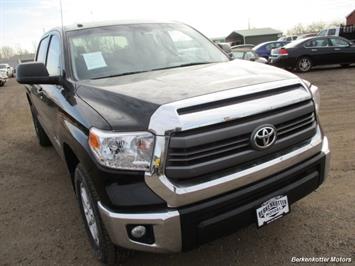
304	64
104	250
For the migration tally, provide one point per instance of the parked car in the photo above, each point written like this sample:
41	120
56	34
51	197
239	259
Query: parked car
307	35
264	49
7	69
3	78
304	54
347	32
247	54
287	38
168	149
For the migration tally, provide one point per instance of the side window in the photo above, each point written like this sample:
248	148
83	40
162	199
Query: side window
317	43
42	50
269	47
53	60
331	32
338	42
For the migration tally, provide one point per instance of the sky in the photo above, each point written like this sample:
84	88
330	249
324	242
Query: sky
22	22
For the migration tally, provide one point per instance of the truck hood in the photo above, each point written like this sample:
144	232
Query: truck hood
127	102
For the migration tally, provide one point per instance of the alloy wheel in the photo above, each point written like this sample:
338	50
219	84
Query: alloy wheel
89	214
304	64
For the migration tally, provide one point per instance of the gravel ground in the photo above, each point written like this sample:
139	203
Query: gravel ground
40	222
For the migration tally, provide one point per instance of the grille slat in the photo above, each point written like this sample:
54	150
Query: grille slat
185	152
215	152
192	154
298	126
298	121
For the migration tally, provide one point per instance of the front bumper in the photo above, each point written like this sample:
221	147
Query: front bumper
184	228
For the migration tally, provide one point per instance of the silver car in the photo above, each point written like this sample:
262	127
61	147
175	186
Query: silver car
3	78
7	70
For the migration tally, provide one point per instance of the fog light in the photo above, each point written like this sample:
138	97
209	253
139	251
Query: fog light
138	231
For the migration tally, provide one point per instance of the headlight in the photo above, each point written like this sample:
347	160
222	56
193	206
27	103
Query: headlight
315	94
130	151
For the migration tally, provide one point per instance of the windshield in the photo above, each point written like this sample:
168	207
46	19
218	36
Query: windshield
126	49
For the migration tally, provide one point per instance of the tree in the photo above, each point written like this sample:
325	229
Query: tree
316	26
313	27
20	51
297	30
6	52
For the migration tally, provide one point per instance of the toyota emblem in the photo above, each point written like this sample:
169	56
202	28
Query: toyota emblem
263	137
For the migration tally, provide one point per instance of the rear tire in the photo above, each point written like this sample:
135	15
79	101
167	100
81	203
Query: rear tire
304	64
40	133
2	83
104	250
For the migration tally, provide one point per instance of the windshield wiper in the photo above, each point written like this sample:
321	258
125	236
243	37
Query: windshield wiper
183	65
121	74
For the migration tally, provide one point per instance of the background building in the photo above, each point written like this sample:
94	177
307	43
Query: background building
350	19
253	36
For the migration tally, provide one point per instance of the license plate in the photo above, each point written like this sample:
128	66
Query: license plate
272	209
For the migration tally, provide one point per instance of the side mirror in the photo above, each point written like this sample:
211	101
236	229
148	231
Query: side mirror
252	59
35	73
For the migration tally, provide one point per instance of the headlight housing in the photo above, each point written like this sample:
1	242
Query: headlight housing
315	94
122	150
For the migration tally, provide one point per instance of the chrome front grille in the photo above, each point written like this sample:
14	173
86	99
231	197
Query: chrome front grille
209	149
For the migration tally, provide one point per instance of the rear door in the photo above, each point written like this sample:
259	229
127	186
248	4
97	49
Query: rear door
319	50
342	51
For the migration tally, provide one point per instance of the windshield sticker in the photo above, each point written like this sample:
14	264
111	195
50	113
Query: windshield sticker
94	60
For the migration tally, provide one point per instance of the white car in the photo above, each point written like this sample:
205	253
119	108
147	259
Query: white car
7	69
3	78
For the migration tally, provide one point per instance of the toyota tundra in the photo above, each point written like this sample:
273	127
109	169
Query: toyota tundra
169	142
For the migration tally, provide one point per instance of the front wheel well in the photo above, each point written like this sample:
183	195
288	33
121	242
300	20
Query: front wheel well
71	161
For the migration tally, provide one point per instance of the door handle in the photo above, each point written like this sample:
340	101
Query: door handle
40	93
314	50
337	49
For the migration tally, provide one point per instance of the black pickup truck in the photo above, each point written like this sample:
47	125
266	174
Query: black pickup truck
170	143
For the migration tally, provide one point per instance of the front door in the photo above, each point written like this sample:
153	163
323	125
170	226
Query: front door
51	94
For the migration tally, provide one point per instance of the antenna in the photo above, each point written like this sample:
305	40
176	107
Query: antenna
61	14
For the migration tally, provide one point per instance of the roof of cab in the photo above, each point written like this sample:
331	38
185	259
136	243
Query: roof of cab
88	25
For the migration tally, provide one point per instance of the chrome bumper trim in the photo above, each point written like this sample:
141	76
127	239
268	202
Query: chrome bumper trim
177	195
326	152
166	227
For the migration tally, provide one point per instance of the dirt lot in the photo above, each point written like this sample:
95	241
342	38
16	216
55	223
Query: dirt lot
39	217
